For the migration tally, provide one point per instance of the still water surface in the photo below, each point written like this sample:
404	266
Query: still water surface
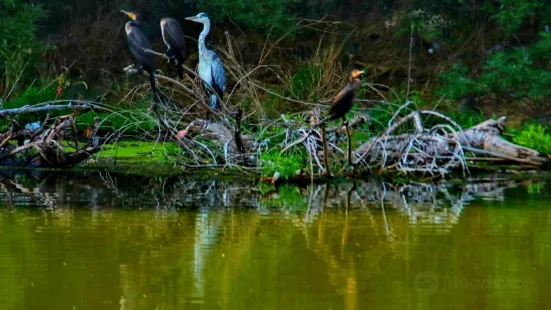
104	241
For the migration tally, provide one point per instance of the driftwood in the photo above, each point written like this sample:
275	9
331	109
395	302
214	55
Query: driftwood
487	136
53	106
442	148
225	138
44	147
407	146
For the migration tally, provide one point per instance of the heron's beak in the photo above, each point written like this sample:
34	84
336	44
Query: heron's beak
191	18
130	14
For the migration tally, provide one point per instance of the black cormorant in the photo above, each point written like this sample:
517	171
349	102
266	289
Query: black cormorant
138	41
173	36
342	103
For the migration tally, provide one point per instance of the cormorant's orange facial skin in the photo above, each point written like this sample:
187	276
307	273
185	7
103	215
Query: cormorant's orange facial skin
132	15
343	101
357	74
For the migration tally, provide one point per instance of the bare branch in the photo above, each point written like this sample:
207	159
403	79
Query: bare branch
47	106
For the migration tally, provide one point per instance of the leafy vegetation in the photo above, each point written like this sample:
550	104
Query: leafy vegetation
287	165
19	48
271	16
534	136
516	73
460	51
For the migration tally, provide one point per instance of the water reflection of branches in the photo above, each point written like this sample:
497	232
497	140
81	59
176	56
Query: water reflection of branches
343	226
104	190
424	204
429	206
107	190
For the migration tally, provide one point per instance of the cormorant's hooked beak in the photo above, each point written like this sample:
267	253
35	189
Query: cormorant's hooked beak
358	74
129	14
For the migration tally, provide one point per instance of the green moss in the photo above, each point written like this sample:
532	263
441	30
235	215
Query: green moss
135	157
145	152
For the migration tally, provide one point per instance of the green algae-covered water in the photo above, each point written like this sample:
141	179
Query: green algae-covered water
104	241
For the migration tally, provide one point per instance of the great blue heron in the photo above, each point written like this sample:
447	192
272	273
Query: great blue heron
210	68
138	41
173	36
342	103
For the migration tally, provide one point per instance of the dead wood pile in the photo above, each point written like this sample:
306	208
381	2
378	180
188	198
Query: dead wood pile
407	146
52	143
443	147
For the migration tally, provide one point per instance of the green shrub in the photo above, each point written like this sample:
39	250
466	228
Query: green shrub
542	48
31	96
304	83
467	119
133	119
534	136
516	72
271	16
287	165
18	24
513	13
19	47
456	83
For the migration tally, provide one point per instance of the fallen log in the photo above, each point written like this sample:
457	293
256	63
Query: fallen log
487	136
443	148
54	106
407	146
232	142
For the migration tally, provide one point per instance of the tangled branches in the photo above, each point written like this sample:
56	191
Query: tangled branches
442	148
46	146
409	147
434	150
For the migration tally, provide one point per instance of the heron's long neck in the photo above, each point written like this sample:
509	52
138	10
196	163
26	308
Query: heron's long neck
203	37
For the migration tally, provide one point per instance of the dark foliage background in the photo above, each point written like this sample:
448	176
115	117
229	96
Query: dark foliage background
476	56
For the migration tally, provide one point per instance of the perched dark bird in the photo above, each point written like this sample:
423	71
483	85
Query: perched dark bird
173	36
138	41
342	103
210	67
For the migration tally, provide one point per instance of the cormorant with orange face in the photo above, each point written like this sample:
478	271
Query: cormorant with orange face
342	104
138	41
343	101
